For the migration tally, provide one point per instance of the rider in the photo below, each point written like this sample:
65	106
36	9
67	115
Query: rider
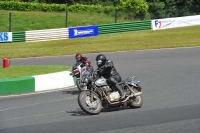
107	70
80	59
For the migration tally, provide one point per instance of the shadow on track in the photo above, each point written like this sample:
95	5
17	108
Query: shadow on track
80	112
77	112
114	109
72	92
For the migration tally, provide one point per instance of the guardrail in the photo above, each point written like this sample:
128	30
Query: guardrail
94	30
46	35
18	36
77	32
124	27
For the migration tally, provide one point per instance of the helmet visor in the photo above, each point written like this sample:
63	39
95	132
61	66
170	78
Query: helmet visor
99	62
78	58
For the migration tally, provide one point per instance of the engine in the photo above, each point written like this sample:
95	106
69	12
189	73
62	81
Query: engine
114	96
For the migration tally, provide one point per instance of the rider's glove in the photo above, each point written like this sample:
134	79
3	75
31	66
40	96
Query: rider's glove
106	66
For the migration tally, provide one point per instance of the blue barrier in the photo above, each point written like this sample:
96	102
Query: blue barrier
83	31
5	36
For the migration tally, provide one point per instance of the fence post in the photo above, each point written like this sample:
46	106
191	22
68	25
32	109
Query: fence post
115	3
115	15
9	21
66	23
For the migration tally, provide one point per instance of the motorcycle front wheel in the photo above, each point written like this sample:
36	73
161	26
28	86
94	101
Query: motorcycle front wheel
78	84
86	103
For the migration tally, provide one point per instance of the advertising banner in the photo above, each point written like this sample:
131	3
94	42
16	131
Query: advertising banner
175	22
5	36
84	31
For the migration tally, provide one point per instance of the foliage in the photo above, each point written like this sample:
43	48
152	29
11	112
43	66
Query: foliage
173	8
157	9
138	7
26	6
129	9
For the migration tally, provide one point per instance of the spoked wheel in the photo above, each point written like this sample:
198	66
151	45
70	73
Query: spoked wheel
87	105
136	102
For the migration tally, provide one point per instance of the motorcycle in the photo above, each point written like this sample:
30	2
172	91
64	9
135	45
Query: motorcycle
82	74
101	95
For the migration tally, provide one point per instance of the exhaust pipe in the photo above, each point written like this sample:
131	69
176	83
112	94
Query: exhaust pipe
137	94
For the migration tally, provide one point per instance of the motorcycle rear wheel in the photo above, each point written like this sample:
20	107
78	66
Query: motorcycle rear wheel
135	102
88	106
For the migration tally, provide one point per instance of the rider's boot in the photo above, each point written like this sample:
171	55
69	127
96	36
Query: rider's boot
121	92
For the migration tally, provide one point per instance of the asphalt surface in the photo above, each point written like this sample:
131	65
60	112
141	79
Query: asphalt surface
171	92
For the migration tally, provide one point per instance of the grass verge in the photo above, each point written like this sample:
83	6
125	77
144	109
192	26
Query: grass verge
21	71
35	20
169	38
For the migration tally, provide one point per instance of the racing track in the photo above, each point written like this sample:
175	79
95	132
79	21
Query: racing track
171	91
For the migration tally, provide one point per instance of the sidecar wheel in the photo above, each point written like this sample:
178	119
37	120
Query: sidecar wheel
90	107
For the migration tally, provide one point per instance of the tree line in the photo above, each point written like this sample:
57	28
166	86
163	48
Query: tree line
110	2
150	9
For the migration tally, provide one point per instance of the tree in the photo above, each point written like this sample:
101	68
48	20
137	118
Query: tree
156	9
138	8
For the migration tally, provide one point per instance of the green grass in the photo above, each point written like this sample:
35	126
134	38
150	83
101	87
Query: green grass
169	38
35	20
21	71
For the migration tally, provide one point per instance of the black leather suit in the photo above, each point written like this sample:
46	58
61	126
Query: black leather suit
109	72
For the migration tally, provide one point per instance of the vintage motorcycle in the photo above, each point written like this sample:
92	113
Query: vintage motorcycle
82	73
101	95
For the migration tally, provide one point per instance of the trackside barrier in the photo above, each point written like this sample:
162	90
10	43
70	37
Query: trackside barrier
36	83
18	36
166	23
5	37
124	27
87	31
17	85
83	31
78	32
47	35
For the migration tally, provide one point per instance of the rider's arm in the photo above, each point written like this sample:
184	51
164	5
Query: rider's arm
109	64
74	67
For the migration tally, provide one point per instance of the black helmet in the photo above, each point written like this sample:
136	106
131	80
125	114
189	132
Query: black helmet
78	56
100	59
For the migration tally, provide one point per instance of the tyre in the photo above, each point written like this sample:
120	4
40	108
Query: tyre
85	103
78	84
135	102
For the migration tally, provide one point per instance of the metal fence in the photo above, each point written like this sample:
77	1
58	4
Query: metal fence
25	21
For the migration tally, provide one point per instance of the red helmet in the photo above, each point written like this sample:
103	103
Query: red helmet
78	57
